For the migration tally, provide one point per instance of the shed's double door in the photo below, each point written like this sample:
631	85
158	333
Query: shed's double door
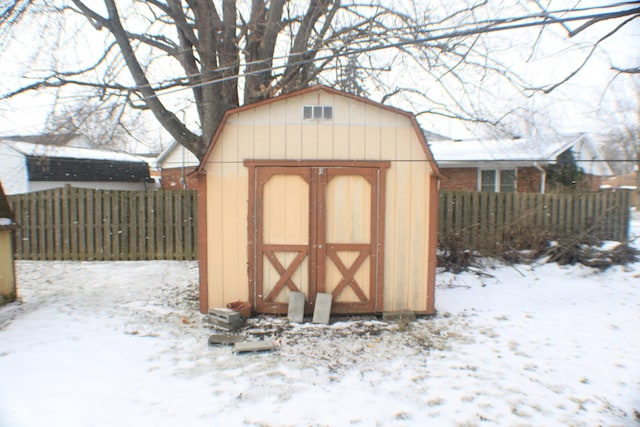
317	229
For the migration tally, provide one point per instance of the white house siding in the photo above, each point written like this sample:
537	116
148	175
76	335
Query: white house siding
13	170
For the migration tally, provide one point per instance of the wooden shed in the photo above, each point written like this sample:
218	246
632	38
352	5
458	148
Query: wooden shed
7	267
318	191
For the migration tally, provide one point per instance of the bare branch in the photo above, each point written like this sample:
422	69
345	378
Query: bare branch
632	70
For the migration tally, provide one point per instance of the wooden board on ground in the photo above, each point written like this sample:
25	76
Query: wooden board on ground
254	346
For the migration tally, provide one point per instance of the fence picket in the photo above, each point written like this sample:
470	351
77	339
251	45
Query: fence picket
494	214
86	224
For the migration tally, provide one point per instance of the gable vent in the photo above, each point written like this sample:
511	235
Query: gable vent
311	112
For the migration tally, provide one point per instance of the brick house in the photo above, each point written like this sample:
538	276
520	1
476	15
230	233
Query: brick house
514	165
175	163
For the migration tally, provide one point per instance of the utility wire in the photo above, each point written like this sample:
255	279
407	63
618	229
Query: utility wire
464	30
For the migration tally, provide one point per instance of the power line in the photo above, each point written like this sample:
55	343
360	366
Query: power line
479	27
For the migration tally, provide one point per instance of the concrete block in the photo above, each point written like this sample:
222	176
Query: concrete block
254	346
296	307
322	310
226	318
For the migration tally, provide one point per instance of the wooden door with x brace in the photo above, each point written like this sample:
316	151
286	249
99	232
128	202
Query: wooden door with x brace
317	229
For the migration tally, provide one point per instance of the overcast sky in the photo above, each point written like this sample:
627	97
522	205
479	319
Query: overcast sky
580	105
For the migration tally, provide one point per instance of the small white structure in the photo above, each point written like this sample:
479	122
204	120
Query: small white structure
27	166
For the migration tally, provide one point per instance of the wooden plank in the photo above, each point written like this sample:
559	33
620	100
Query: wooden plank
42	225
73	224
254	346
466	218
141	233
99	224
151	226
107	220
178	224
89	228
160	218
168	227
508	212
123	225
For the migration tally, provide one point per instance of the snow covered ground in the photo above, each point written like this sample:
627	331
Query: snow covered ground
122	344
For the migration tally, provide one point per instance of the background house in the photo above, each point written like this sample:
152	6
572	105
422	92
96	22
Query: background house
27	166
507	165
175	163
7	268
628	182
318	191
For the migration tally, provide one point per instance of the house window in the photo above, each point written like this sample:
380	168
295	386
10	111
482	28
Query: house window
498	180
311	112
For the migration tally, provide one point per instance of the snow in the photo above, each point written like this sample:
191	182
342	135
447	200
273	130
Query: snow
31	149
520	152
122	343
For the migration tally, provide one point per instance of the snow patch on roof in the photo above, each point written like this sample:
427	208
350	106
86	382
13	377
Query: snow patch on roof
486	150
29	149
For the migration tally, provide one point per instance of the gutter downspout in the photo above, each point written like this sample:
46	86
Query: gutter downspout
543	176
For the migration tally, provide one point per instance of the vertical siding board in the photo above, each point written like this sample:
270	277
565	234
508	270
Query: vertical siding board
388	151
215	263
325	142
373	135
419	247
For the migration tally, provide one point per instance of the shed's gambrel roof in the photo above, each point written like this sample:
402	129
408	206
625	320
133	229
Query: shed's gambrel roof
414	123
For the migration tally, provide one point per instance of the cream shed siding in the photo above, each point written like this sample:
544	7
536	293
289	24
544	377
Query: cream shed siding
359	131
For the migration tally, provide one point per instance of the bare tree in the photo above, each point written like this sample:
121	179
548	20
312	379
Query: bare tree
209	56
622	126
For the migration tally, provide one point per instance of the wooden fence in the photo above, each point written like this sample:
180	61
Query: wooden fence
81	224
84	224
480	219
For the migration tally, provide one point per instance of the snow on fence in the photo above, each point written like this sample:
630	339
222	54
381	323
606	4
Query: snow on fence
85	224
480	219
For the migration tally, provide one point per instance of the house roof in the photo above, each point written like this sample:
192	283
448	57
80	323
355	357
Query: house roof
419	132
56	139
92	170
63	163
190	159
43	150
519	152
